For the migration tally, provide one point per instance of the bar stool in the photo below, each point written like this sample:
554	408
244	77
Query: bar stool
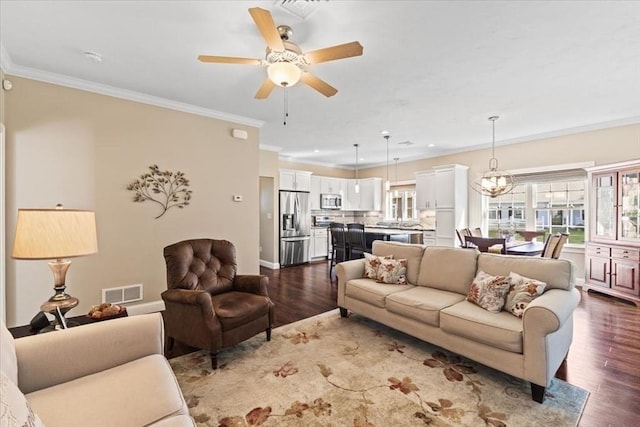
339	247
356	241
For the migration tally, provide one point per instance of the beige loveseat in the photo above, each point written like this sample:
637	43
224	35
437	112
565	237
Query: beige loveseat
432	306
107	374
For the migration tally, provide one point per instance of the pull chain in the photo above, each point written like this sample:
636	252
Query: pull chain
286	104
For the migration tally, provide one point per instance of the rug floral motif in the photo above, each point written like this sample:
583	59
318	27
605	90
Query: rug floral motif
333	371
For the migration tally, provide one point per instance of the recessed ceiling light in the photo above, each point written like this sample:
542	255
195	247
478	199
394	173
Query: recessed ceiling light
431	145
385	132
316	151
93	57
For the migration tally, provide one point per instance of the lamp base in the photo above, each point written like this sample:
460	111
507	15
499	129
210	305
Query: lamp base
58	308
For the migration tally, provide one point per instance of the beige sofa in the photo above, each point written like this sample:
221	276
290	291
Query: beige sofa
433	307
111	373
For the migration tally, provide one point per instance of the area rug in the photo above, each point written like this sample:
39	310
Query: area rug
333	371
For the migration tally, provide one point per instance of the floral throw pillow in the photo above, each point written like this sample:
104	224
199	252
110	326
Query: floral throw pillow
489	291
393	271
14	408
523	290
372	264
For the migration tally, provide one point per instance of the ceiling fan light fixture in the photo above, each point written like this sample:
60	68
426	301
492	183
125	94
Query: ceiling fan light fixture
284	74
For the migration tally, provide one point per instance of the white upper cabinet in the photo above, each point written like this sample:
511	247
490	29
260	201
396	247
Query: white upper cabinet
330	185
426	190
293	180
315	192
368	199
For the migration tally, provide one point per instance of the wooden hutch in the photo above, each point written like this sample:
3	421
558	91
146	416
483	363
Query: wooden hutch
613	250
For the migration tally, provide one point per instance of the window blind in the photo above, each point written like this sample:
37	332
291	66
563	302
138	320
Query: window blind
553	176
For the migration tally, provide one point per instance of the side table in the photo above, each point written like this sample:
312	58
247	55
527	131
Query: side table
25	331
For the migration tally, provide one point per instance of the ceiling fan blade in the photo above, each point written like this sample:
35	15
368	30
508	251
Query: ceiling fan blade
332	53
264	22
317	84
228	60
265	89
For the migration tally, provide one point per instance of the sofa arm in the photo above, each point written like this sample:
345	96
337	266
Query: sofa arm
255	284
346	271
53	358
547	313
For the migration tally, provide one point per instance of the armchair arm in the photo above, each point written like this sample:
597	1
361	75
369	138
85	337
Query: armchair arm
255	284
56	357
346	271
191	319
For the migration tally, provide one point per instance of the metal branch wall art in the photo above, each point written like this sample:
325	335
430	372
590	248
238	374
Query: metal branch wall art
167	189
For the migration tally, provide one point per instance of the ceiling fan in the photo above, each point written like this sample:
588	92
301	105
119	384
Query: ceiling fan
285	62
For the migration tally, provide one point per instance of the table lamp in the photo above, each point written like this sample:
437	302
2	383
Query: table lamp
56	234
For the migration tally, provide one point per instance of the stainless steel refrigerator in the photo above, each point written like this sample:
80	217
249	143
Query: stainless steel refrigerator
295	227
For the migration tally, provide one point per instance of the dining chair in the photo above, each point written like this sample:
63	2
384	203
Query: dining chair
339	245
356	241
462	233
564	238
530	235
488	244
550	245
477	232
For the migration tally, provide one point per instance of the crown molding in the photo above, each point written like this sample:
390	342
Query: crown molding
58	79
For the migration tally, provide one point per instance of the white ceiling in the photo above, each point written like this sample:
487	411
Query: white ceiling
431	72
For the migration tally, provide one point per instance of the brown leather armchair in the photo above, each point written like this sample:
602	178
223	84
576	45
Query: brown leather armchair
207	304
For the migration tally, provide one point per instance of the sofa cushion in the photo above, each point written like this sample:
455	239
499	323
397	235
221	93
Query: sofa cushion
489	292
556	273
421	303
393	272
412	253
367	290
8	361
449	269
100	396
501	330
523	290
14	408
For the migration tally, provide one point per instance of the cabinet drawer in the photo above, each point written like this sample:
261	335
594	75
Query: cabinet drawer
627	254
599	250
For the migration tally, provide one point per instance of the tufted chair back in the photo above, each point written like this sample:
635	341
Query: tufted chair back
201	264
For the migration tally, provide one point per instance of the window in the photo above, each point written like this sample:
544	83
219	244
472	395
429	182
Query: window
401	203
553	202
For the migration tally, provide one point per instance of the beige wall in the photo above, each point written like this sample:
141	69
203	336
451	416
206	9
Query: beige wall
269	184
82	149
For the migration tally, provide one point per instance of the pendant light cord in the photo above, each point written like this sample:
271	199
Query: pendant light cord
493	162
387	138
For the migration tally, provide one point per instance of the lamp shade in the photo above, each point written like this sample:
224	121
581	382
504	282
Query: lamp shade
55	234
284	73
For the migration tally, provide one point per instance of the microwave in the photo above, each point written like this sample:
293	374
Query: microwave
330	201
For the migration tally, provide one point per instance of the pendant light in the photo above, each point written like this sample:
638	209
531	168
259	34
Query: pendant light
396	193
386	135
494	182
357	181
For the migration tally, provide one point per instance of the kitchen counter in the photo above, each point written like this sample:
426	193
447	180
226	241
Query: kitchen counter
413	228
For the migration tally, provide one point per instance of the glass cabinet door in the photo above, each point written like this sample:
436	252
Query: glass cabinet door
604	206
629	204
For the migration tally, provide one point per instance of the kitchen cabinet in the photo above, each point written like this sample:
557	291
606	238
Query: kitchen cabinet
612	255
319	243
426	190
429	237
443	189
293	180
329	185
368	199
315	192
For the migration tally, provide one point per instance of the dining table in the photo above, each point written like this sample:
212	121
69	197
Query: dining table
525	248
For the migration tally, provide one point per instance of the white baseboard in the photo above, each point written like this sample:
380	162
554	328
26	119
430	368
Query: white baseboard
144	308
270	265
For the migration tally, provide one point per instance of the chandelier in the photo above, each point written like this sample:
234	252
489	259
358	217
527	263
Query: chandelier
494	182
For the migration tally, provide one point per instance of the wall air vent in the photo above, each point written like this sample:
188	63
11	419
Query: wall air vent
122	294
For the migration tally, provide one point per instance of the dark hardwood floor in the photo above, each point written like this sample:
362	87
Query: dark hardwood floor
604	357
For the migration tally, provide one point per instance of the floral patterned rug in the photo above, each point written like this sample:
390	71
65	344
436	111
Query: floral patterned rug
333	371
